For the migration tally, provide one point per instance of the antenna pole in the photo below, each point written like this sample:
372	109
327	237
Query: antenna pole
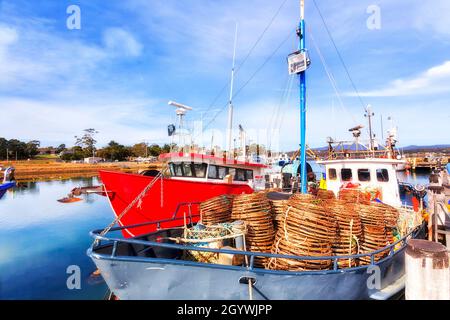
230	103
302	78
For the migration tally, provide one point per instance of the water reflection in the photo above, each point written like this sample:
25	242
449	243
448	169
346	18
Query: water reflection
40	238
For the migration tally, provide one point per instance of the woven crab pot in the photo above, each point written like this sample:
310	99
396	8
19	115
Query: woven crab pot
375	235
391	214
353	196
326	194
278	209
302	197
255	210
307	229
348	234
216	210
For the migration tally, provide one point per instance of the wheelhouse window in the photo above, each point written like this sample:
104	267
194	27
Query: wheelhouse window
187	170
223	171
346	174
176	169
363	175
220	172
240	175
200	169
212	172
217	172
332	174
249	174
382	175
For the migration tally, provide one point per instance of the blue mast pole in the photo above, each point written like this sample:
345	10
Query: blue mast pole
302	78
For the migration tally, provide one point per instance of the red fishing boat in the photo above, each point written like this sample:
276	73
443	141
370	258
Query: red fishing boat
175	191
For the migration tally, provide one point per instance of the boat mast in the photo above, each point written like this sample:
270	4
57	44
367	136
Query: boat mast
369	114
302	77
230	103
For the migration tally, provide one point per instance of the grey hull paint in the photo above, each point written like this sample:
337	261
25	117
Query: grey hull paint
174	281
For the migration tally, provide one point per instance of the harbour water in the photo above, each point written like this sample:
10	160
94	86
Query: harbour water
40	238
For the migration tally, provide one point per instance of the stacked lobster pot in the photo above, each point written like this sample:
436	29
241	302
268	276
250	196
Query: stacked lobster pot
326	194
302	197
378	223
308	228
353	196
278	210
348	233
254	210
216	210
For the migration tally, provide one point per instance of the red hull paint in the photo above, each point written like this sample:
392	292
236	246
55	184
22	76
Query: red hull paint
161	201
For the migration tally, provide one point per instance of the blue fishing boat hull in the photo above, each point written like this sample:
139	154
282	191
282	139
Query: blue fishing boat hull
5	186
138	271
168	281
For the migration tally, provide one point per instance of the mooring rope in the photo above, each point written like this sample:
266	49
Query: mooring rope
132	203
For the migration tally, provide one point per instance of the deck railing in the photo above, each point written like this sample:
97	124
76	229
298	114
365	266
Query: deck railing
97	244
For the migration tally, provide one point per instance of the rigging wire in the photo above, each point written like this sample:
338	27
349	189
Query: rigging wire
286	101
330	75
288	93
339	55
248	54
276	110
262	34
251	78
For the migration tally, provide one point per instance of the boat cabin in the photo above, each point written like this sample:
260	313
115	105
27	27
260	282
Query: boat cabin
208	168
376	175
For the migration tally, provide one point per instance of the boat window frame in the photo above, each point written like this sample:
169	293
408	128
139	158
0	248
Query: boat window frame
218	169
211	166
189	165
382	178
332	177
231	171
218	172
366	170
347	170
243	174
173	169
249	174
204	167
173	166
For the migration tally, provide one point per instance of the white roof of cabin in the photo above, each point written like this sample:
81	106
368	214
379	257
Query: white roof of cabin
362	161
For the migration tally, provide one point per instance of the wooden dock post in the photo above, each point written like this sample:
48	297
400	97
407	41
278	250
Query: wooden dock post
427	271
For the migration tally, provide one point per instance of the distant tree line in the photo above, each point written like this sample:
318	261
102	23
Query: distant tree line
115	151
15	149
84	147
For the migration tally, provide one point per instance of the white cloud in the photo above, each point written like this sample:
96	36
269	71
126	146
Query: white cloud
433	81
431	17
121	41
32	58
55	122
7	36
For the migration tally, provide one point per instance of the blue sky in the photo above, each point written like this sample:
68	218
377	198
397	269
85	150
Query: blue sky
129	58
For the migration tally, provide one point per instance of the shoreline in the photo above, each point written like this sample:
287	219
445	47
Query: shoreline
41	170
